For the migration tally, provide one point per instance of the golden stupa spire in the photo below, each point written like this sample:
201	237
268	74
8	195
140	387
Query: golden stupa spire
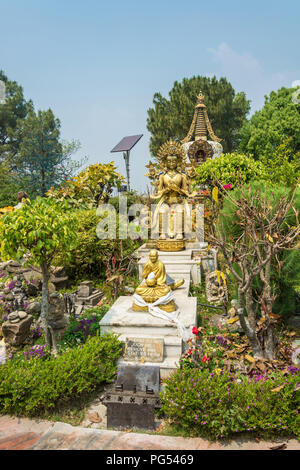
200	123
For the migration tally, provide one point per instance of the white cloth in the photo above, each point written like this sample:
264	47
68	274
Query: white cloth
157	312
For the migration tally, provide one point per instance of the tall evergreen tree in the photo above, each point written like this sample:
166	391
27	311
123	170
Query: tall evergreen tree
13	107
43	160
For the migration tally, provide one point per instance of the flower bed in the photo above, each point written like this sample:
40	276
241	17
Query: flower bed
218	405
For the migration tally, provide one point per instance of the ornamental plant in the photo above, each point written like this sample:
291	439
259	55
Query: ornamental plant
94	185
79	330
39	229
215	405
38	350
231	169
30	388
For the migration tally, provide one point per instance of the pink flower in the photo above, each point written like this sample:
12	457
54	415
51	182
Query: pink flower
227	186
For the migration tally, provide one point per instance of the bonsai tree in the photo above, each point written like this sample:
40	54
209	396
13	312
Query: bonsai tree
254	226
38	230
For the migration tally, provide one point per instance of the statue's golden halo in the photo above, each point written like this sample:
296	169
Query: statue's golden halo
169	148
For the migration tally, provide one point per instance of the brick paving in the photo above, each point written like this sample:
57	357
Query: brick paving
27	434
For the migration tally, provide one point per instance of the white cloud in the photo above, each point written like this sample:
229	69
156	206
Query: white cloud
247	74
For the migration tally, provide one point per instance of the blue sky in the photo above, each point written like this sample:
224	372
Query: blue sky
97	64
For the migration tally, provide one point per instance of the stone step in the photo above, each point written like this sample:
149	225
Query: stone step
166	367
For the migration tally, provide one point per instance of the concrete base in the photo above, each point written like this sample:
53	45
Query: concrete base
121	319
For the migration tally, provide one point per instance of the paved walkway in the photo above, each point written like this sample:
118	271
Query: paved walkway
26	434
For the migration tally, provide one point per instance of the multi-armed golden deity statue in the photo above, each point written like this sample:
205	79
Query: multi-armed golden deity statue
172	178
172	186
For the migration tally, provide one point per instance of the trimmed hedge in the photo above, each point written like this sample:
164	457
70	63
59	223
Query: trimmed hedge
30	387
214	405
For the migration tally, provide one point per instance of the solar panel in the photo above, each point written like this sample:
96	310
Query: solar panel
127	143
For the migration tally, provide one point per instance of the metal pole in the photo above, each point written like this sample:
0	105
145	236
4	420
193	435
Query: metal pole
126	158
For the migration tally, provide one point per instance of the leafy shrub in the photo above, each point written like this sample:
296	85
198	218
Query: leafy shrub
35	386
231	168
214	405
91	254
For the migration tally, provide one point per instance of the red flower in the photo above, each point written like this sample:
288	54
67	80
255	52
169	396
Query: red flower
205	359
195	331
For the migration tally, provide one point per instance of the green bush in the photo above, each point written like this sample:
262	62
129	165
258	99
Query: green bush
213	405
33	387
231	168
91	254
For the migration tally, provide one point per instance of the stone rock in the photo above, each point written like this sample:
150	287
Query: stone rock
51	287
56	316
22	314
58	271
34	307
9	296
60	282
294	321
4	264
16	334
219	320
12	316
85	289
31	290
34	277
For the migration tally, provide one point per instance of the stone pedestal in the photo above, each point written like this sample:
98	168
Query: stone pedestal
139	330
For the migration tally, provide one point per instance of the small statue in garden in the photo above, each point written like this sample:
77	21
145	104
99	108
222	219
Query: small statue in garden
233	310
216	286
156	287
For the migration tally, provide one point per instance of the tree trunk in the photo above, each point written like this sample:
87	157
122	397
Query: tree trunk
48	330
247	327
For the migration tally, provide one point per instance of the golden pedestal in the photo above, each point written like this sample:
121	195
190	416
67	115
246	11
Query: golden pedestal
170	245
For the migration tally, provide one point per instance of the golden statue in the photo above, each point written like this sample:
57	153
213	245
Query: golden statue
171	192
156	285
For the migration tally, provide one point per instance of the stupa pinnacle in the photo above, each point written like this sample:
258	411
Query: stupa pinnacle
200	123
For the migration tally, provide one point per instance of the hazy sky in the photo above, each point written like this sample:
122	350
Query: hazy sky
97	63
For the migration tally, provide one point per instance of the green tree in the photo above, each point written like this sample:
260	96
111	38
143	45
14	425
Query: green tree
172	117
40	228
14	107
94	185
8	188
42	160
267	129
255	228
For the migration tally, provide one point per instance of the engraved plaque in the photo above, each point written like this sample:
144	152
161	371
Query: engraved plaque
144	349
